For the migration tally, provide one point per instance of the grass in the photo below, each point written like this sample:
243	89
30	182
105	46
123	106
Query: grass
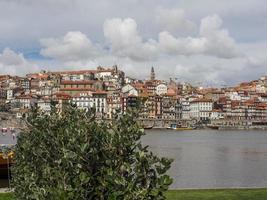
222	194
6	196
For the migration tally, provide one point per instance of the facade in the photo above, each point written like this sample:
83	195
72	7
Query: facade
108	92
129	90
200	109
130	101
92	100
185	104
161	89
44	104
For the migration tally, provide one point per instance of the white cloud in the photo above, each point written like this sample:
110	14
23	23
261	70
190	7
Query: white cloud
15	63
219	43
181	46
174	20
212	41
74	46
125	40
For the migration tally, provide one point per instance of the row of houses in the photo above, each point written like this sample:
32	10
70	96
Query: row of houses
108	90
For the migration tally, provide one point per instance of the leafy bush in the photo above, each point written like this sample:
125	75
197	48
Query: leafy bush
72	156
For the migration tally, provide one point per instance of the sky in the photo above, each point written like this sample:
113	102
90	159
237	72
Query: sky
205	42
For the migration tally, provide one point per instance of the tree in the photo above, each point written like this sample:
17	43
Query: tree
72	156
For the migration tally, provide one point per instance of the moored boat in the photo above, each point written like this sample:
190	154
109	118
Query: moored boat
180	128
184	128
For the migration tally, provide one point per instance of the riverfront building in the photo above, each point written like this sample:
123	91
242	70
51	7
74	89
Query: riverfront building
109	91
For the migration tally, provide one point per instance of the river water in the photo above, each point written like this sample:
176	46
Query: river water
212	158
207	158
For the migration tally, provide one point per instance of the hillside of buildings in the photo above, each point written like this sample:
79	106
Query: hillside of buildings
110	90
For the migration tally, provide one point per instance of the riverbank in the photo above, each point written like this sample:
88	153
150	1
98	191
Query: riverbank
221	194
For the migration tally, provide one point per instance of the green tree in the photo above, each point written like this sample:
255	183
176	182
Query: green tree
72	156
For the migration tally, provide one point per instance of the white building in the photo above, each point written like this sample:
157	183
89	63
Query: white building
201	109
104	74
263	98
96	100
161	89
185	109
260	88
44	104
129	90
24	101
233	96
9	94
216	114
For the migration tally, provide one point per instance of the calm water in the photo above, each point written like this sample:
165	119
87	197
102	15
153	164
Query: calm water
7	138
212	158
207	158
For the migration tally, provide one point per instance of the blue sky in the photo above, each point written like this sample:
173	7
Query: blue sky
210	41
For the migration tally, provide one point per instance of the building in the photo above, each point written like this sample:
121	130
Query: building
77	87
161	89
152	74
96	100
200	109
129	90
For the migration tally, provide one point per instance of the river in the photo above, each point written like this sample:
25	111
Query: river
212	158
207	158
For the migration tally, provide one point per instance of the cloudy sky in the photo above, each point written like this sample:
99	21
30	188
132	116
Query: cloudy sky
209	42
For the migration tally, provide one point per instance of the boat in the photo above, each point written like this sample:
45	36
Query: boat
148	127
172	126
213	127
184	128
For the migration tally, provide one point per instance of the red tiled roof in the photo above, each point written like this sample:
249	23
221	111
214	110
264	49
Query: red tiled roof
202	100
99	92
64	82
76	89
90	92
62	95
24	97
76	72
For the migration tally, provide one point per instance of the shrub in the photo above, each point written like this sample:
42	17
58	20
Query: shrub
72	156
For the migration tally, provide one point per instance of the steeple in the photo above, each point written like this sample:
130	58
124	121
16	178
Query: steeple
152	74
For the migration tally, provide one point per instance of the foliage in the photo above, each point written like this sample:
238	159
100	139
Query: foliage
73	156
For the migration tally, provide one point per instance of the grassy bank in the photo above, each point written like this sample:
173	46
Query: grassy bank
222	194
6	196
225	194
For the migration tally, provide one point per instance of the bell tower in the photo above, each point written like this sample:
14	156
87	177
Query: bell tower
152	74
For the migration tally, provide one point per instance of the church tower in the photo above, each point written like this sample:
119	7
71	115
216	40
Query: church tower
152	74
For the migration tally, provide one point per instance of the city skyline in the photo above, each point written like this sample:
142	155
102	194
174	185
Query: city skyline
221	43
147	76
